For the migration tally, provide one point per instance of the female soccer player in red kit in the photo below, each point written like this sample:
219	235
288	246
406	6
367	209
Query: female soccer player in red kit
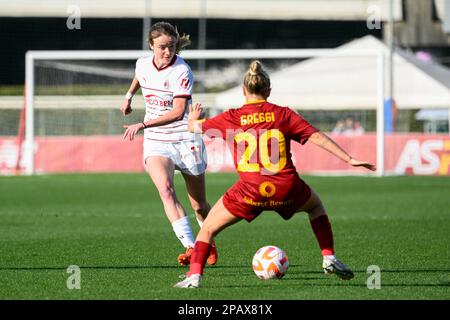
261	133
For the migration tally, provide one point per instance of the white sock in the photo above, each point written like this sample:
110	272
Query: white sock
200	223
183	231
330	257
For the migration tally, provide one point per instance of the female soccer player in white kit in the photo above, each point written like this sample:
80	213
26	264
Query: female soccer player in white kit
166	82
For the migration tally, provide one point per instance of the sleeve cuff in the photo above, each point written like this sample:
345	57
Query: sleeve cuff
186	96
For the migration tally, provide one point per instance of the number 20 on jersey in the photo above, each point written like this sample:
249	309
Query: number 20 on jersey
260	144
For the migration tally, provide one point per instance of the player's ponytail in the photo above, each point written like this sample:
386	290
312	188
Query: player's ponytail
182	42
167	29
256	80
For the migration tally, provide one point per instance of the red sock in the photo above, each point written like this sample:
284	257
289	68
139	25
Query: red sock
199	256
322	229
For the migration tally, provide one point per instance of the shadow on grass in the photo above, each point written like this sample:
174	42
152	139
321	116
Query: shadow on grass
337	284
297	281
295	277
118	267
394	271
89	267
363	285
302	272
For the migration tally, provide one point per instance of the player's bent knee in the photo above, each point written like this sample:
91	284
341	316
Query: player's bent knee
210	230
166	193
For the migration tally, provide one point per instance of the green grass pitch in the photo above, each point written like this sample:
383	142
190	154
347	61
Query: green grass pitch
113	227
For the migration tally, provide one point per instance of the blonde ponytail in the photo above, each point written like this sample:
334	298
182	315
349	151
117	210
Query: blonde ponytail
182	42
256	80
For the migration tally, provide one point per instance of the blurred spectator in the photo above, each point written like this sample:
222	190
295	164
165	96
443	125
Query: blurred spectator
358	128
348	127
339	128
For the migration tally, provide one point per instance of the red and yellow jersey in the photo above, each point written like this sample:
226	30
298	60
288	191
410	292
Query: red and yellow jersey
260	134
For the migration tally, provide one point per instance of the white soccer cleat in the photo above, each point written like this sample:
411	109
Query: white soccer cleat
193	281
331	265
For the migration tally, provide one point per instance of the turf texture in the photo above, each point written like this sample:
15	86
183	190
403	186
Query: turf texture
112	227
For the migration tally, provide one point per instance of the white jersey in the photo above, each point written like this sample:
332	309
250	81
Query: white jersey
159	87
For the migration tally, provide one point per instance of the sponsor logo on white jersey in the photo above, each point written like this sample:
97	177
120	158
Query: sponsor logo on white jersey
155	100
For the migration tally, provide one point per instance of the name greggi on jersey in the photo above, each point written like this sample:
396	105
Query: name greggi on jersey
257	117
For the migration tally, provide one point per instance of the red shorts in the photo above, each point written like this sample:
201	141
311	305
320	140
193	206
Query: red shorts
247	200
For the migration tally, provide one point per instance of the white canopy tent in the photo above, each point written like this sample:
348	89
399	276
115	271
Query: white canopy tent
343	83
432	118
432	115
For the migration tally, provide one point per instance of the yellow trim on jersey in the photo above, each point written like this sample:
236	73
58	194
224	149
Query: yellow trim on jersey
256	101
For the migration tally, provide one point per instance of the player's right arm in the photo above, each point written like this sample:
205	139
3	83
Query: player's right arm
126	104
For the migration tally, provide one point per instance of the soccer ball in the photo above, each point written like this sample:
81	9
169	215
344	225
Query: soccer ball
270	262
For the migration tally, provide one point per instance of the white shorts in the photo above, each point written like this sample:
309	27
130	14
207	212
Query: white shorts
188	156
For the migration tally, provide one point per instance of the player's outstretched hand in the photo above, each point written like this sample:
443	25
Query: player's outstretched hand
195	111
131	130
126	107
357	163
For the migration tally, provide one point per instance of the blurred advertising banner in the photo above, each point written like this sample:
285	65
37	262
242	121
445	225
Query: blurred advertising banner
410	154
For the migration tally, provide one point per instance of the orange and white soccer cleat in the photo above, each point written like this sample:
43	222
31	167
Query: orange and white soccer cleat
213	256
184	259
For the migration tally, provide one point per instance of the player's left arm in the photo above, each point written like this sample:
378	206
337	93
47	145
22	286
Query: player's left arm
322	140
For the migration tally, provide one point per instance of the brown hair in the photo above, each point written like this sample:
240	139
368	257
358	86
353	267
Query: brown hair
256	79
167	29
